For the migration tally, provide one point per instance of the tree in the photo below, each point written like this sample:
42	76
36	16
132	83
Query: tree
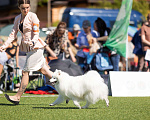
41	2
34	4
141	6
108	5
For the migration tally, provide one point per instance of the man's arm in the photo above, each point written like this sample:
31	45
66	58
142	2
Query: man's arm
144	41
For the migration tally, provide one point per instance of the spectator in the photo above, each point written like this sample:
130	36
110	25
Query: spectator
11	51
138	51
103	31
82	42
145	37
100	27
72	35
59	43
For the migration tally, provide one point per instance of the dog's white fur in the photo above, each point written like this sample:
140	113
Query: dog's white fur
89	87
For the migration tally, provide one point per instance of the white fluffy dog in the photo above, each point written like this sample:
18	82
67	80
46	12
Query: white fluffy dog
89	87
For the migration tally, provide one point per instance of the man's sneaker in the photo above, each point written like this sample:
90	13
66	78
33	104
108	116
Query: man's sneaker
1	92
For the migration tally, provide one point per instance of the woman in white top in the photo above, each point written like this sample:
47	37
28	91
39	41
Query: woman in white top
28	24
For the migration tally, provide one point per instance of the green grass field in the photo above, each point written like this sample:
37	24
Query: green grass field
36	107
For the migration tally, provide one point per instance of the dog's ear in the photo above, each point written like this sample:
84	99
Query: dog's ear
59	72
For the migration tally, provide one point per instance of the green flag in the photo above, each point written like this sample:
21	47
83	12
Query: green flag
118	35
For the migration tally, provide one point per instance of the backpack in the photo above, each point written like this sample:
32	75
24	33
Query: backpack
99	61
102	62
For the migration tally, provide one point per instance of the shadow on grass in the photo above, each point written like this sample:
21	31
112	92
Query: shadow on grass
4	104
32	104
55	108
59	108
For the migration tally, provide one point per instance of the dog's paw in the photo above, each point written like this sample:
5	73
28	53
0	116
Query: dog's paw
51	104
107	105
83	107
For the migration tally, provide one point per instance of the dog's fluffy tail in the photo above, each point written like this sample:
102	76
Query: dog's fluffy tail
98	89
98	93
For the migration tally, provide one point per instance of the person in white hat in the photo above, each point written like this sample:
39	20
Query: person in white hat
72	35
